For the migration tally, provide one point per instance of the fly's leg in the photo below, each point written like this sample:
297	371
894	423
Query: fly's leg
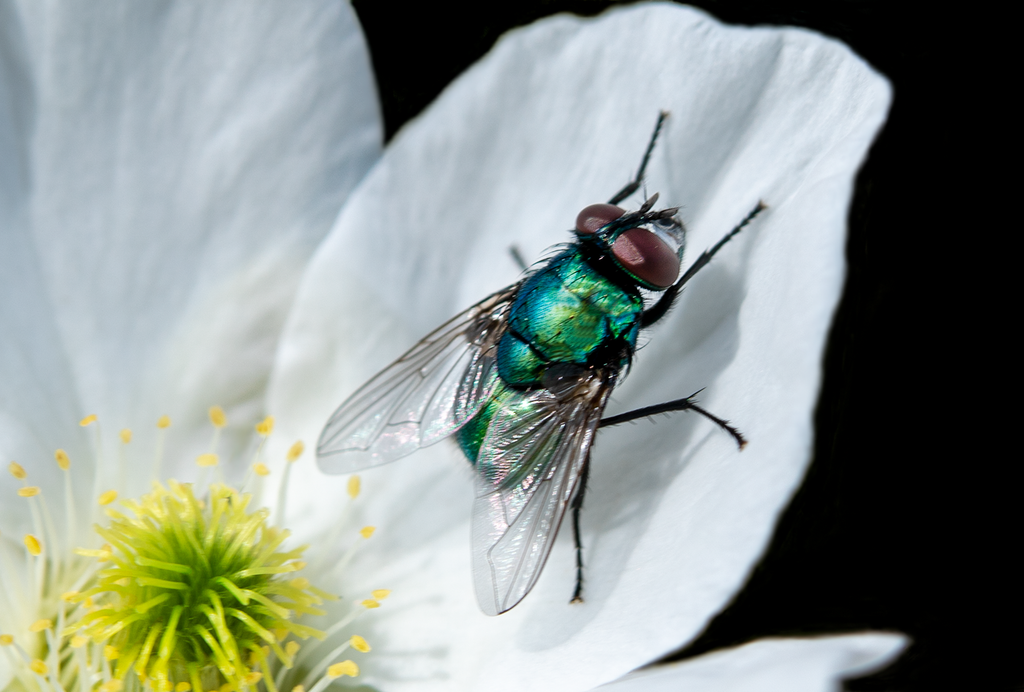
686	404
577	505
635	184
661	308
517	257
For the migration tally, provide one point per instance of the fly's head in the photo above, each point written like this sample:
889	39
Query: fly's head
647	245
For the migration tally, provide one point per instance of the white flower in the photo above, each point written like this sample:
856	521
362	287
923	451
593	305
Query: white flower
165	173
554	118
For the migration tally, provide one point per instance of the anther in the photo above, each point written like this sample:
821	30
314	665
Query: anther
358	643
370	603
217	417
381	594
206	460
17	470
265	426
367	531
62	459
29	491
107	497
354	485
88	420
6	640
35	548
38	667
126	435
295	451
344	668
40	625
163	422
261	469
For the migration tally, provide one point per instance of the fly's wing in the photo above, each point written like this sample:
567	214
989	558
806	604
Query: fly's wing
424	396
528	468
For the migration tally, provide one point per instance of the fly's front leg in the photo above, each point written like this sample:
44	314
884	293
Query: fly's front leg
687	404
661	308
577	505
634	185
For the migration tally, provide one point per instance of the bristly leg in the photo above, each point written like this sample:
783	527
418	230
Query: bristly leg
686	404
577	506
661	308
634	185
517	257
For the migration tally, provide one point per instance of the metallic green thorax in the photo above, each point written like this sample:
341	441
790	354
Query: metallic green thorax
567	312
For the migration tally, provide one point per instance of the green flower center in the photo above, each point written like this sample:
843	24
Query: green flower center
198	593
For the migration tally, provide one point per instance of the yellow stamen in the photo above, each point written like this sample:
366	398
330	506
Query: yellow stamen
265	426
281	634
296	566
370	603
17	470
253	677
298	688
68	596
126	435
114	685
358	643
40	625
38	667
300	583
207	459
6	640
353	486
78	641
295	451
62	459
29	491
292	648
183	687
261	469
163	422
367	531
381	594
107	497
111	652
33	545
344	668
88	420
217	417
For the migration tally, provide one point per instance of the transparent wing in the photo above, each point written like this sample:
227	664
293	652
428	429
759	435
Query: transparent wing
424	396
528	468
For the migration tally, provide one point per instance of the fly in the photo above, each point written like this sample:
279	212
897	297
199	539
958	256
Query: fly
521	379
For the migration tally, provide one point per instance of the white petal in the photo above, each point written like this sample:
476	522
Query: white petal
554	118
166	169
768	665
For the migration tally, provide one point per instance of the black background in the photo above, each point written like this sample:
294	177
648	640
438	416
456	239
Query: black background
905	520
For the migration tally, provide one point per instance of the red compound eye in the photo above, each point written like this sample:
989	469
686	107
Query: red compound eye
597	216
646	256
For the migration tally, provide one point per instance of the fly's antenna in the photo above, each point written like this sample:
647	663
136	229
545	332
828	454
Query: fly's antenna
634	185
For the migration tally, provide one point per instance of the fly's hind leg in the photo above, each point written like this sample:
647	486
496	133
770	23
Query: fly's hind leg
687	404
634	185
577	506
517	257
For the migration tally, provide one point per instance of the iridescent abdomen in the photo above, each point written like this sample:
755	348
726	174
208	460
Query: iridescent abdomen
566	312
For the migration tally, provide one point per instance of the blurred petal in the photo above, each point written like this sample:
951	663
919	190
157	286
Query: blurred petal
554	118
768	665
166	169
